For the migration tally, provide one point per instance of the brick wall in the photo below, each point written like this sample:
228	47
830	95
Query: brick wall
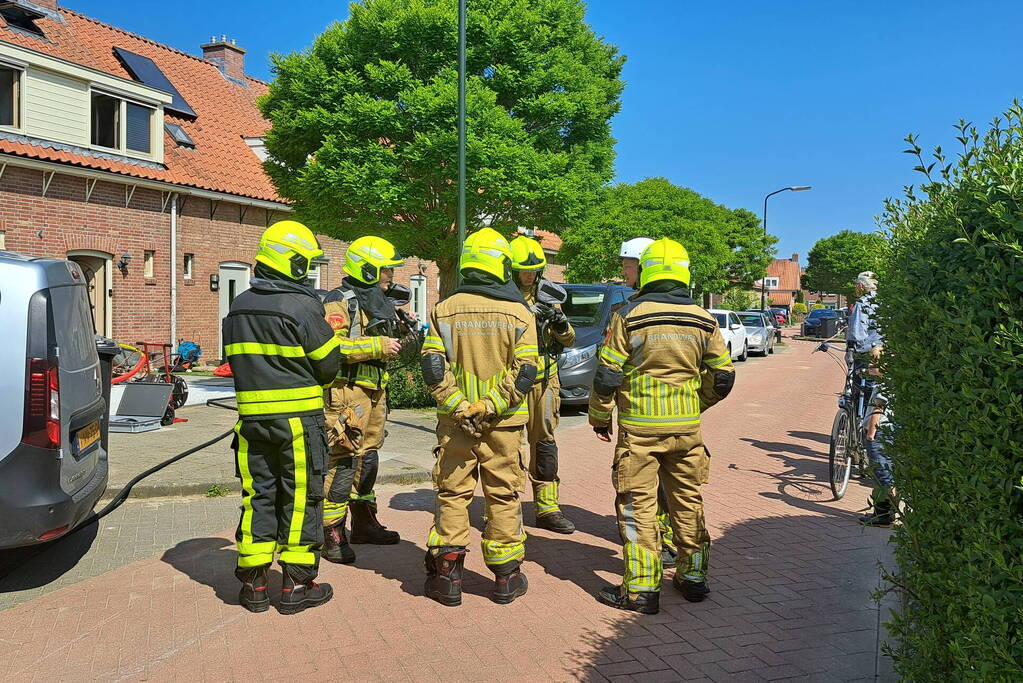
215	233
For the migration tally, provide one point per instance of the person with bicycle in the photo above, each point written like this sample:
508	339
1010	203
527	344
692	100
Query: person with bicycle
864	337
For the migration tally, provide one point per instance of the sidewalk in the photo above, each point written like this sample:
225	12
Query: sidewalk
407	456
791	572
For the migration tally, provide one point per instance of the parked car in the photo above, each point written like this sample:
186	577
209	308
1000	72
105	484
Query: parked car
589	309
733	333
53	457
760	332
814	323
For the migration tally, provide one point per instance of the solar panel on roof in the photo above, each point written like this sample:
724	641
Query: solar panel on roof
143	69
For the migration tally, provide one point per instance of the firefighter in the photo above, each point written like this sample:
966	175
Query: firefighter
629	254
544	399
663	362
479	361
356	403
282	353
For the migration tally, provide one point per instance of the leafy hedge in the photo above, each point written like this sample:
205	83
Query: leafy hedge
406	389
951	310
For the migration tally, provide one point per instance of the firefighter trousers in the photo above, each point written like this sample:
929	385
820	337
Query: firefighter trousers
544	402
353	465
495	459
681	464
281	463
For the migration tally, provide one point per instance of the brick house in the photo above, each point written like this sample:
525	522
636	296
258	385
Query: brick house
143	164
782	282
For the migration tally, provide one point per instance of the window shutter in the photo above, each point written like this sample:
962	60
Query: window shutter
139	130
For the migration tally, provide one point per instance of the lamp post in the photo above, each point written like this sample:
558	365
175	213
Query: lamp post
763	282
461	129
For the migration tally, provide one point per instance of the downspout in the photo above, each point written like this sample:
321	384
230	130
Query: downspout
174	271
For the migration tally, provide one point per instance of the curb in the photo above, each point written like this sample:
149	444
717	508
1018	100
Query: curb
143	490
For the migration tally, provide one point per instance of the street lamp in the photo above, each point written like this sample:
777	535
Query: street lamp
461	129
763	283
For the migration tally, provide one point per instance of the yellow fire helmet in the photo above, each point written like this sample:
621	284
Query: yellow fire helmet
288	247
664	259
527	254
487	251
367	255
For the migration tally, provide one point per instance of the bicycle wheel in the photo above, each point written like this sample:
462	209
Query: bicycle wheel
839	455
126	363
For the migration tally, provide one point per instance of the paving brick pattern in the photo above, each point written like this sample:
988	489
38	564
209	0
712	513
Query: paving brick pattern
791	572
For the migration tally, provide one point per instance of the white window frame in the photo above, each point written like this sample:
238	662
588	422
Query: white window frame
317	265
148	263
771	282
155	119
20	114
419	286
187	266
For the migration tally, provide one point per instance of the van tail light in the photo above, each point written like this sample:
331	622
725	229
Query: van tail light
42	404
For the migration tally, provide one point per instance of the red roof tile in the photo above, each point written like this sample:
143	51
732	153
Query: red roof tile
787	271
548	240
226	111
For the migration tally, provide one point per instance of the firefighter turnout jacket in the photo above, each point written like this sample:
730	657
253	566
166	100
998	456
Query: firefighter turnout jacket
481	348
651	363
281	350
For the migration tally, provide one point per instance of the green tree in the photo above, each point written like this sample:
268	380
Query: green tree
363	134
834	262
726	247
739	300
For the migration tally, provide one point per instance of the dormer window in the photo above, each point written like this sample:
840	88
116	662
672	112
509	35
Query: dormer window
121	125
10	96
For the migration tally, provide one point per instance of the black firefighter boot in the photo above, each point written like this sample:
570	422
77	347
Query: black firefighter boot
298	594
444	576
335	545
644	603
509	583
366	528
254	596
693	591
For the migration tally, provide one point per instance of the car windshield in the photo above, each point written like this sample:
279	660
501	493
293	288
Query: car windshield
822	313
721	319
584	307
751	320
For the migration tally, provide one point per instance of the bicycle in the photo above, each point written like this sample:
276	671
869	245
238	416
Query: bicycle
151	363
848	431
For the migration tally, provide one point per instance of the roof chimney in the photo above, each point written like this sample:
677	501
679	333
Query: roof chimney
228	56
795	257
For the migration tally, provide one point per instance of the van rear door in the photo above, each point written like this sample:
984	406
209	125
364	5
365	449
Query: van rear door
81	396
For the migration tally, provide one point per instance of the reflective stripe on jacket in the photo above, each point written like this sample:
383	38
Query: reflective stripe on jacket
660	348
281	350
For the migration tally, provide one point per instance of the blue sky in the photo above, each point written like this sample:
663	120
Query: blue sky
733	99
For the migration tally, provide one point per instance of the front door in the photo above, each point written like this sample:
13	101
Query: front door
96	267
234	279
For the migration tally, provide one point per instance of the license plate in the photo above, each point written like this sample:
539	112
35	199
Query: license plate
87	436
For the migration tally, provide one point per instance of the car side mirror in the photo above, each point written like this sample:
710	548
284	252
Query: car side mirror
734	326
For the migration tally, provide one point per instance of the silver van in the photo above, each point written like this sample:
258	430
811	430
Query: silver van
53	458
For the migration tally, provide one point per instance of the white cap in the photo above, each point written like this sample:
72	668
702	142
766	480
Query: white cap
635	247
867	280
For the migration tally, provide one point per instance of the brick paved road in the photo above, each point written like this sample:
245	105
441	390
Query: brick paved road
791	572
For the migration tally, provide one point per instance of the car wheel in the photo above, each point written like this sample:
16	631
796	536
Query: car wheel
745	353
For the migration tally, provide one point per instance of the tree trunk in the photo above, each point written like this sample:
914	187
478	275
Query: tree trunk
448	276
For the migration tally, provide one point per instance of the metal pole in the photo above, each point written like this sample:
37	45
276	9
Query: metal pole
461	126
763	281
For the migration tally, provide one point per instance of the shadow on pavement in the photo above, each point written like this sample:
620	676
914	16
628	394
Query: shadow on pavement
404	563
785	447
811	436
35	566
410	425
792	597
211	561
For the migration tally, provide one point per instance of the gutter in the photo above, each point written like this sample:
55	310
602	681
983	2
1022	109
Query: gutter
174	271
120	178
